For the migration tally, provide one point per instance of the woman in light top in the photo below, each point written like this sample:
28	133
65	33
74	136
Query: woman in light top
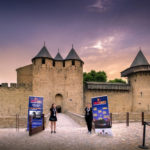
53	118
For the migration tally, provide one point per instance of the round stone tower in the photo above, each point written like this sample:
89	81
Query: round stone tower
74	81
43	76
139	79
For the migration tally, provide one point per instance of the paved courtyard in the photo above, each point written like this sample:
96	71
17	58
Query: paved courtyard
71	136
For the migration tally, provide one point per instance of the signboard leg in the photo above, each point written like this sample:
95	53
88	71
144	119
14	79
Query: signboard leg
30	125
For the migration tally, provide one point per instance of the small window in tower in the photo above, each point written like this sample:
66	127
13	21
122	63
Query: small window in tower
73	62
63	63
53	63
43	61
80	64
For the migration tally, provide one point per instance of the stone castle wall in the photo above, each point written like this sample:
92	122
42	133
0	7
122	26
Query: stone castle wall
140	91
14	99
74	86
119	101
119	95
57	83
42	77
24	74
60	84
63	86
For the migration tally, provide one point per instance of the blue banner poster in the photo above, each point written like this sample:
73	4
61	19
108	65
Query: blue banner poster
35	109
101	115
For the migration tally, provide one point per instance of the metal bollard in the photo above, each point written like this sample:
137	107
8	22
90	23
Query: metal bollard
16	122
127	119
143	146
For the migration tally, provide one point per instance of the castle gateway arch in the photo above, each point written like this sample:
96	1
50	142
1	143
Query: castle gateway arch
59	102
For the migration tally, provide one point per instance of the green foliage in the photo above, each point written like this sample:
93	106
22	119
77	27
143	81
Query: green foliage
117	81
99	76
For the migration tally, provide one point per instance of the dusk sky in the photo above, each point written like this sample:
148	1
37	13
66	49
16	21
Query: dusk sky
106	34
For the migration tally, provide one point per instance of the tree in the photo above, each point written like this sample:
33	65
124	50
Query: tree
99	76
117	81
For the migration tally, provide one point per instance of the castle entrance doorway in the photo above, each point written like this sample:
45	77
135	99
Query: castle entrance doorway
58	108
59	102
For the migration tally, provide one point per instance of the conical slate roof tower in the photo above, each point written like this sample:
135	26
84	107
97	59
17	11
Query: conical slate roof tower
43	54
140	64
73	55
58	57
139	60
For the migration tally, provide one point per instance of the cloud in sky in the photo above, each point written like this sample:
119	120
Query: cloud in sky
104	45
100	6
98	47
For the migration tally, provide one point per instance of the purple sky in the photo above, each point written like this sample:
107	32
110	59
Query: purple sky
106	34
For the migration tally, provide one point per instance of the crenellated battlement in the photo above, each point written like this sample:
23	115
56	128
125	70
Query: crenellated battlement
16	85
57	64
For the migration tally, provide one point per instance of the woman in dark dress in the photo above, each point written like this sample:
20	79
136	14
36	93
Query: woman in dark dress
89	118
53	118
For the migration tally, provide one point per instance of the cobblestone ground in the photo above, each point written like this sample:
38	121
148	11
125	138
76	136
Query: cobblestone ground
70	136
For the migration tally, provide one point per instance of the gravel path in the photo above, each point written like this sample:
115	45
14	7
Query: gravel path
71	136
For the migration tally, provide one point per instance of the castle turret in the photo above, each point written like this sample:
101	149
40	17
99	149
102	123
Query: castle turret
139	78
58	57
74	81
73	59
58	60
43	57
42	83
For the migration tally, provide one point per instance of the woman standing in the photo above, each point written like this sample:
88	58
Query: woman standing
53	118
89	117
